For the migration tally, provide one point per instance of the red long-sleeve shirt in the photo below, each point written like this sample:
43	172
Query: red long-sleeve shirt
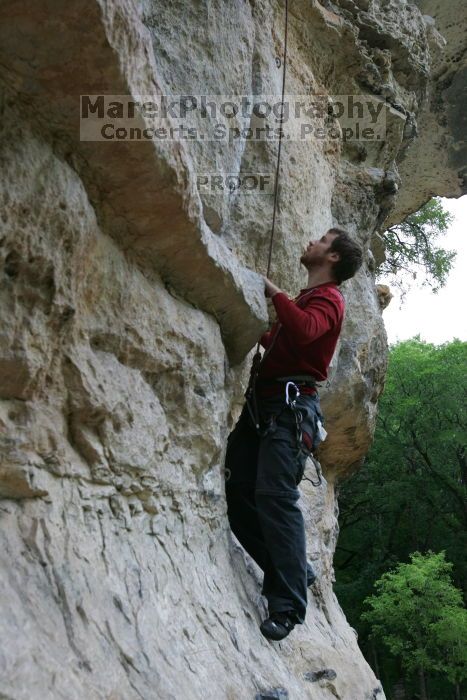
307	337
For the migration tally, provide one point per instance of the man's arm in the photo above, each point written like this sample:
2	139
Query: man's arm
264	340
306	325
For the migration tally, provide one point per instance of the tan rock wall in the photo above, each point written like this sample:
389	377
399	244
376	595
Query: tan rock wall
130	303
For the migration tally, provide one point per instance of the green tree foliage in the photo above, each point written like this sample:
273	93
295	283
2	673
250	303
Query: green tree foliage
411	493
418	614
412	251
450	631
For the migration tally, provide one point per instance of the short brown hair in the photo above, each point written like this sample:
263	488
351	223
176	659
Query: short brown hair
350	255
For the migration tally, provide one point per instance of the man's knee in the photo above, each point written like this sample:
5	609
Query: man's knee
283	497
279	508
237	495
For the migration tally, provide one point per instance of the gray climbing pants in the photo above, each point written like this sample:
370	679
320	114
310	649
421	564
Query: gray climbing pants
262	473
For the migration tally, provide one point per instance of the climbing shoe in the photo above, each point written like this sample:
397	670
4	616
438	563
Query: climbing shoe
278	625
310	574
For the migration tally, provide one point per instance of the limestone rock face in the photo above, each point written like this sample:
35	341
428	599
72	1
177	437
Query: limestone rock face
439	154
130	301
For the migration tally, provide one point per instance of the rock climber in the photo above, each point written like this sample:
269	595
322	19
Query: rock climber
281	425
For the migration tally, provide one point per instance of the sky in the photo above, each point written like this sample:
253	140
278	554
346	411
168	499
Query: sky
440	317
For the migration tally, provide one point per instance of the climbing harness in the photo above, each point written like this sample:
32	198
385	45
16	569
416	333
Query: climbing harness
269	425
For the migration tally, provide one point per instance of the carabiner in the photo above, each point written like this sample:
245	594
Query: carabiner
291	402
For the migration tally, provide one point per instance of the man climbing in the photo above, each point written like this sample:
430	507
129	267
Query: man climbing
281	424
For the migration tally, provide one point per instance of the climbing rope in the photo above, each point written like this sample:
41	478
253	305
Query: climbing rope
250	393
276	181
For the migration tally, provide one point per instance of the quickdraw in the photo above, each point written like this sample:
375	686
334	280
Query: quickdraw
299	433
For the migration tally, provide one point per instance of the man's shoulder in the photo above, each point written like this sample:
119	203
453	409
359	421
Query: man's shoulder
331	292
330	299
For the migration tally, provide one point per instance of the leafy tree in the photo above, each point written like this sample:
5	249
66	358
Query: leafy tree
451	634
411	613
411	248
411	493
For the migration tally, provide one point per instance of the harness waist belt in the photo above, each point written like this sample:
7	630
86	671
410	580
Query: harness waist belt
304	379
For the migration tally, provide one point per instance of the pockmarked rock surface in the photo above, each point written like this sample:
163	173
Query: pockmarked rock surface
131	301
